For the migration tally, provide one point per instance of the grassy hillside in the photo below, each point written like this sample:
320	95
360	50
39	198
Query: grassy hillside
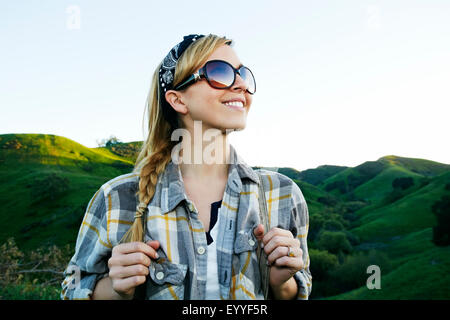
420	271
318	175
372	181
126	151
47	182
383	205
408	214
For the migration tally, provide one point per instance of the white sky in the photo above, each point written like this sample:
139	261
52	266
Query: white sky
339	82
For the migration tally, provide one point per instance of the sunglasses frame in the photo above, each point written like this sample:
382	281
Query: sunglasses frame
202	74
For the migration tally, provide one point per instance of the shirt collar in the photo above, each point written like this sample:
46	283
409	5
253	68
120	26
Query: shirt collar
172	186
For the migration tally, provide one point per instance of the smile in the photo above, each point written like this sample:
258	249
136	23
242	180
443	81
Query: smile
235	104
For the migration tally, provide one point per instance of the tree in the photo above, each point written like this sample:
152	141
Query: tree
402	183
49	187
441	232
334	242
323	262
111	141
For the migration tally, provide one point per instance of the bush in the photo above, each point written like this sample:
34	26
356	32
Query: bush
49	187
328	201
441	232
36	274
321	263
334	242
333	225
352	273
316	222
402	183
339	184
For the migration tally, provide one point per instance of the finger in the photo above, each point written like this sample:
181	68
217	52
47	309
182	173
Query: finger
258	231
124	285
289	262
279	241
134	247
276	232
154	244
128	271
276	253
130	259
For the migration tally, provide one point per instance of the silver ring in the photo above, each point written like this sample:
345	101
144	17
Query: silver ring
290	252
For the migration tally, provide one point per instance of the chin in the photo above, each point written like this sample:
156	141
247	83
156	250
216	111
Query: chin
232	128
238	127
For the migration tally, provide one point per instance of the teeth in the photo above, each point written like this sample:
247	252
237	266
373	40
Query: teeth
235	103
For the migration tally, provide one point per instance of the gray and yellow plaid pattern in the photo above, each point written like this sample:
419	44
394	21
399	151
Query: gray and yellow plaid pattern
180	272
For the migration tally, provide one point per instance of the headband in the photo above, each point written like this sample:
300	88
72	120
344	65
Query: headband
166	74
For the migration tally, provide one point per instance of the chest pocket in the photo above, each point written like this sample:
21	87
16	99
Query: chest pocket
246	278
166	281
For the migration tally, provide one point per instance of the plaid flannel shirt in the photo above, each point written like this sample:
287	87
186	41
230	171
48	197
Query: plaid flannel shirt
180	272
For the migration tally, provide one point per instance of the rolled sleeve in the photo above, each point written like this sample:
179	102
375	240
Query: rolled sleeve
299	226
89	263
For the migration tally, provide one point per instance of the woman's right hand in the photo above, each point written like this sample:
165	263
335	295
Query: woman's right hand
128	266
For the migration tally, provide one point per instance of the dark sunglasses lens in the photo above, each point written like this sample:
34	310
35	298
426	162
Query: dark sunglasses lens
220	75
247	76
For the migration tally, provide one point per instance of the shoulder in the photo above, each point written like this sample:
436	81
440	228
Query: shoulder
124	183
117	193
282	186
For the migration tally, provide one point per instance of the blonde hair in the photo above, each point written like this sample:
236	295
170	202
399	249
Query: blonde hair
155	153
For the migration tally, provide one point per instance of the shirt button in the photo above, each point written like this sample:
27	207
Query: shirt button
251	242
201	250
160	275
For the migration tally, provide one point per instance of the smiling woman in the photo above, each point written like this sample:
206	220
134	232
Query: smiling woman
176	229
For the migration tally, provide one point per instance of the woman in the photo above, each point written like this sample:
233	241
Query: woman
185	223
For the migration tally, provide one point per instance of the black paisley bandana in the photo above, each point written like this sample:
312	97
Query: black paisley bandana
167	72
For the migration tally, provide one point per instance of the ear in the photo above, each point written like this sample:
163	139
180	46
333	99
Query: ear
175	99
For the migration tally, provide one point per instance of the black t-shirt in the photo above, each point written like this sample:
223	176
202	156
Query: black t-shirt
212	221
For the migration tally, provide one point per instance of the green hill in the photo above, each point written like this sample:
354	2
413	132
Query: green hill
47	182
318	175
373	180
420	271
408	214
383	205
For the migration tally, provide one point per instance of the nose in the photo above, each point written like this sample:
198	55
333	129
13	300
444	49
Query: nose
239	83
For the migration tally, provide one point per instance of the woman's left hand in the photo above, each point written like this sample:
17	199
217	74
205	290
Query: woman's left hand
278	243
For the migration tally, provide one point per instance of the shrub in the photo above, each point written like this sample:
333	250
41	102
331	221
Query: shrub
321	263
352	273
402	183
441	232
333	225
49	187
36	274
334	242
339	185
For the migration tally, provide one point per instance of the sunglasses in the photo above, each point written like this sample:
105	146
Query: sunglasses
221	75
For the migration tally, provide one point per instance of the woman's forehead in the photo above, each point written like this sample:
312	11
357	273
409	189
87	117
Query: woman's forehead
227	54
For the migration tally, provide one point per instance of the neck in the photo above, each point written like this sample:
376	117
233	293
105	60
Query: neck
205	160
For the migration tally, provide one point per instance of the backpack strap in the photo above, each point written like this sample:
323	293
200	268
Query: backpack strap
264	218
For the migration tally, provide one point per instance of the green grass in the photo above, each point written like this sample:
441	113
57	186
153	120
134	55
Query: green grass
378	187
410	213
33	221
420	271
30	292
